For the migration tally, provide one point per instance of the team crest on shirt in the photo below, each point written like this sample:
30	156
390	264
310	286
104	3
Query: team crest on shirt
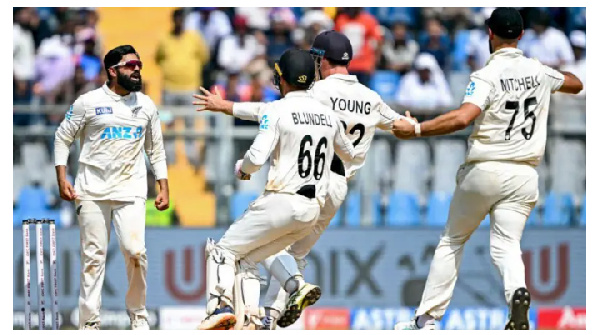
69	113
470	89
135	110
103	110
264	122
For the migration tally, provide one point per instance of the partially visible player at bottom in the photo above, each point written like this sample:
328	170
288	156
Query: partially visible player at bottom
508	99
300	135
115	125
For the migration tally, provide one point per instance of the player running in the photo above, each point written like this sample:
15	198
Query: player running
115	124
508	100
361	111
300	135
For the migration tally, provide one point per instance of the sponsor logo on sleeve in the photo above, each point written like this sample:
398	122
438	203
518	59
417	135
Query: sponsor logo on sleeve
470	89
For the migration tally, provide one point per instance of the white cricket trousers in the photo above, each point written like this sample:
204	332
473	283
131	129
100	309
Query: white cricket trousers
275	297
94	224
271	223
508	191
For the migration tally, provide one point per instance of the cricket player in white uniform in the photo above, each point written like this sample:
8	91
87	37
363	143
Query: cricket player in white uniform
300	135
361	111
508	100
115	125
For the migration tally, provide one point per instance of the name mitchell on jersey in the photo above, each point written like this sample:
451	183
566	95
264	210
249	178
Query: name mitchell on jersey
521	84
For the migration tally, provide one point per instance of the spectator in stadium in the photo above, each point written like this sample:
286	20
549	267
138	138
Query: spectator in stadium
278	38
238	50
425	87
313	22
548	44
477	48
362	29
89	60
40	28
578	66
181	56
399	54
54	67
257	18
23	56
434	40
80	84
210	22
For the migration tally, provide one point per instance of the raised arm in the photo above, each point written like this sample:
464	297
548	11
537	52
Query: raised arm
250	111
571	84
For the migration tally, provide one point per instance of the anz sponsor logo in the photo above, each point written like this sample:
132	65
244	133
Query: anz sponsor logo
121	133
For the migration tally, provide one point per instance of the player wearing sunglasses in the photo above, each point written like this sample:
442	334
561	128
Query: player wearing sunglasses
115	124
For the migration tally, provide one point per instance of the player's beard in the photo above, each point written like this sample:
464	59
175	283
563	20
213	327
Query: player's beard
128	84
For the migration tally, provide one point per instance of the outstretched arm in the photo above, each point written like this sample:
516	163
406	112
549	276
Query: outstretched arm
214	102
444	124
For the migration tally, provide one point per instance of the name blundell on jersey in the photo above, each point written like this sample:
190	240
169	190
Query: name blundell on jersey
312	119
519	84
355	106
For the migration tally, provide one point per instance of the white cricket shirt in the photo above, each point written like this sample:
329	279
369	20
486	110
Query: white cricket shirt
513	92
114	131
300	135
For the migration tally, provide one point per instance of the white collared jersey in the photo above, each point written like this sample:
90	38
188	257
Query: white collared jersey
300	135
359	108
113	131
513	92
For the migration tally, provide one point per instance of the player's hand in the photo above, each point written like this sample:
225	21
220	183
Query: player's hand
408	116
403	129
66	190
210	101
162	201
238	171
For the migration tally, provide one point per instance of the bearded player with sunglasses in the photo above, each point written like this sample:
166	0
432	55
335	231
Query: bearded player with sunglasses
115	125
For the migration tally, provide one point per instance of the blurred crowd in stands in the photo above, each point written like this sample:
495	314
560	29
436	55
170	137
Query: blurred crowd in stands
57	52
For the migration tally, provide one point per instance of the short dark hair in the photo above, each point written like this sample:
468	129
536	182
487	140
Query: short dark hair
337	63
178	13
114	56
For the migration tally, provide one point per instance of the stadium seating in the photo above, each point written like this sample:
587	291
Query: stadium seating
568	175
239	202
449	155
438	206
352	209
413	163
582	217
558	209
534	217
403	209
385	83
459	53
389	15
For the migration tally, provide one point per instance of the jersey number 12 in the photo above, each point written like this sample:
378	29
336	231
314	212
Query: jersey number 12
530	104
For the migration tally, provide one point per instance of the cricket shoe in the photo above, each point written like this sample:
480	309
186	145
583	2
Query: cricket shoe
412	325
139	323
91	326
306	296
221	319
518	319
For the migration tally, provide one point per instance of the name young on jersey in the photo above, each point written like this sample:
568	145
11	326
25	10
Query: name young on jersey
519	84
354	106
312	119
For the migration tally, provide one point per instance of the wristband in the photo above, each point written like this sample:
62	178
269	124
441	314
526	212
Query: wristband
418	129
